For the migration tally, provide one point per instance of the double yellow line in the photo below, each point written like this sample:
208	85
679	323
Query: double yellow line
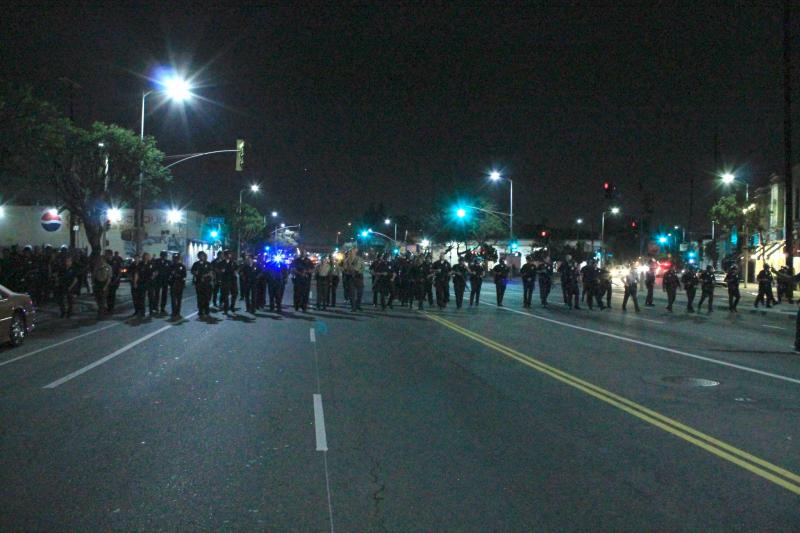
756	465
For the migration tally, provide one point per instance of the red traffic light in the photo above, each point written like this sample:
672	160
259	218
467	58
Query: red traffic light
544	233
633	224
606	185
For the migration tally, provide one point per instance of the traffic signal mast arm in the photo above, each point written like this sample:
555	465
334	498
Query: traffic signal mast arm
201	154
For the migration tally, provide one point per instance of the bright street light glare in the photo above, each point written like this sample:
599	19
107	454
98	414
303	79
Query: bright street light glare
662	240
615	210
494	175
177	89
114	215
274	214
579	221
425	243
283	224
728	177
255	187
675	227
174	216
214	234
461	213
387	221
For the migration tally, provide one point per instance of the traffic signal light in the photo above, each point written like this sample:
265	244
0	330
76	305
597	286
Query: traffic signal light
633	224
608	190
239	154
514	245
544	233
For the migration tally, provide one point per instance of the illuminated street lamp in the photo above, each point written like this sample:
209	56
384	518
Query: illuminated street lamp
114	215
425	243
174	216
613	211
495	175
254	188
274	214
177	89
389	221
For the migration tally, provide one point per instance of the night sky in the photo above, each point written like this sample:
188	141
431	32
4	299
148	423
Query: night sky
398	103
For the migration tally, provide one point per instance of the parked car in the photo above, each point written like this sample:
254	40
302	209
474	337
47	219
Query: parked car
124	271
16	316
719	278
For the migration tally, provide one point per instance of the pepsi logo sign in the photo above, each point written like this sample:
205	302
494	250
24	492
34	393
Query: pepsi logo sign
51	221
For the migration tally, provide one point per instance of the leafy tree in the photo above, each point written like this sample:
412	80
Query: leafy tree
249	221
479	223
729	211
51	153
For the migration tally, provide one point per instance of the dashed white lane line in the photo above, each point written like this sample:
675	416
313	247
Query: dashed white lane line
311	335
65	341
655	346
771	327
108	357
319	424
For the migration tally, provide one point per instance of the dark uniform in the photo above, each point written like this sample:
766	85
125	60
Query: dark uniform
784	280
591	282
66	281
148	276
162	283
528	275
476	273
732	280
650	283
116	280
419	275
302	269
460	273
689	281
569	284
225	272
277	274
605	286
203	277
138	288
707	287
441	280
216	288
500	272
545	271
248	279
380	283
765	280
670	284
177	282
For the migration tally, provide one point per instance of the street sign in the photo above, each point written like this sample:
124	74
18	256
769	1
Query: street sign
215	220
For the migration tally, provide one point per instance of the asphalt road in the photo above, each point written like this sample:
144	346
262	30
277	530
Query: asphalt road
475	419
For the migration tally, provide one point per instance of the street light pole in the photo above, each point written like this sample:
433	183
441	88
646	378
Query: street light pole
139	215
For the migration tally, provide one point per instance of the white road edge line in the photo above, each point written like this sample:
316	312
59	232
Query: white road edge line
655	346
65	341
108	357
773	327
312	335
319	424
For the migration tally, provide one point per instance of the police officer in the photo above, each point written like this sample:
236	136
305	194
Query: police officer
650	283
765	280
783	279
177	282
116	278
528	275
225	272
335	274
203	277
500	272
148	273
429	279
163	269
631	282
589	275
460	273
322	275
605	286
277	274
353	267
689	281
101	279
732	280
216	289
302	269
569	283
545	279
138	288
670	284
380	284
248	278
707	287
476	273
441	280
67	280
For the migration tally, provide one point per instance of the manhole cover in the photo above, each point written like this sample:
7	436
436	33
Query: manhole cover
690	382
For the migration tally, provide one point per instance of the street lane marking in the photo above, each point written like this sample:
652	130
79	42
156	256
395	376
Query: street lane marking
319	424
108	357
656	346
773	327
312	335
65	341
760	467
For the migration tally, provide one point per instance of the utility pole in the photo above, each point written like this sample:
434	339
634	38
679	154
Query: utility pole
788	218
